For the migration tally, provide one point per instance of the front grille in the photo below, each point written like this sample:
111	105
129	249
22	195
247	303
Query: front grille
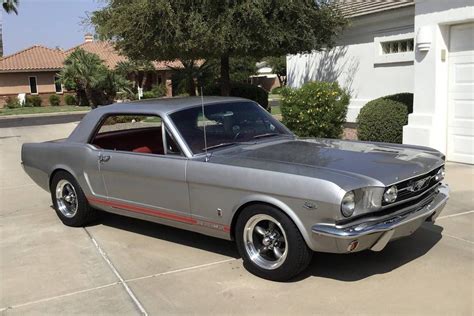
414	187
414	204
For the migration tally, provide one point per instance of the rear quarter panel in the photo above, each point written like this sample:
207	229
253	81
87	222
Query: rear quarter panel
40	160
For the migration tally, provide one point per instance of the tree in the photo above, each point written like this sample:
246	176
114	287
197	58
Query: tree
241	68
205	29
10	6
137	69
278	65
93	82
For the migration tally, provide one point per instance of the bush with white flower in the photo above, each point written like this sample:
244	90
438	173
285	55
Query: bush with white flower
317	109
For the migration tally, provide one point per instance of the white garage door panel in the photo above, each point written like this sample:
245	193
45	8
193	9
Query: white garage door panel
462	38
461	94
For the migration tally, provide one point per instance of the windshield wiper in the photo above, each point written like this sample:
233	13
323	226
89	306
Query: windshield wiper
267	135
220	145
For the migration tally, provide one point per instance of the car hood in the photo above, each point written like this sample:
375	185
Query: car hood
385	163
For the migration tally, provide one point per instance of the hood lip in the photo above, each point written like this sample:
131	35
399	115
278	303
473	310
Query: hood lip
417	175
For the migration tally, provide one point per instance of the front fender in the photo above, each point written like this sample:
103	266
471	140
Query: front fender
285	208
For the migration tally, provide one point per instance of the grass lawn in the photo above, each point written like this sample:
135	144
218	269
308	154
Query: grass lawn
274	96
276	110
43	109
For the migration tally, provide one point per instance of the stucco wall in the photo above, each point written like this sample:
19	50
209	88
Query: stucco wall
428	124
354	64
17	82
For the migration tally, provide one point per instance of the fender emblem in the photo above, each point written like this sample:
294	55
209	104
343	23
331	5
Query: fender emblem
309	205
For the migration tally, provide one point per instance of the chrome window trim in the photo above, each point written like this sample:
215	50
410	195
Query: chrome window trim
177	136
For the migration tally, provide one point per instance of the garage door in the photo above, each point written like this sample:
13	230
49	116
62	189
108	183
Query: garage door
461	94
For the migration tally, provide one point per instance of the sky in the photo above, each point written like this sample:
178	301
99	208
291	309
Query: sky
49	23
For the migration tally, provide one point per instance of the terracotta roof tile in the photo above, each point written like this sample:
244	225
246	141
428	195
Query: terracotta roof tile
104	50
353	8
33	58
43	58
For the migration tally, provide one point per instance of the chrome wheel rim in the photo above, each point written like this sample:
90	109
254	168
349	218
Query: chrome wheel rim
265	241
66	198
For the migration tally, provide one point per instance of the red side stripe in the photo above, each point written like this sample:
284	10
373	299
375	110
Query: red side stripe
162	214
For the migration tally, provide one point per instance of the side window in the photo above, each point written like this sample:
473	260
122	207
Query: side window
132	133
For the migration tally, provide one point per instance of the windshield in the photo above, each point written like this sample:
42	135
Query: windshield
226	124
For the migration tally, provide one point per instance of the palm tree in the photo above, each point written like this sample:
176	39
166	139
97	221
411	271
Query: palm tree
192	75
136	69
10	6
93	82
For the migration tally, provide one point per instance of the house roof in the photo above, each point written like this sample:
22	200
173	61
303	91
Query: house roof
104	50
40	58
353	8
33	58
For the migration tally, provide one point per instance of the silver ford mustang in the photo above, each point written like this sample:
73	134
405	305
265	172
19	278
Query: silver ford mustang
224	167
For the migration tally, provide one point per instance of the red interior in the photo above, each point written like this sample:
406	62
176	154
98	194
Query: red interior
142	140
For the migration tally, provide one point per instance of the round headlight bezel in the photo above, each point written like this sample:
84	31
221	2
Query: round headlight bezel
440	174
390	195
348	204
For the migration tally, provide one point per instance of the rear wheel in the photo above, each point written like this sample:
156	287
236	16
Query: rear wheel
270	243
69	201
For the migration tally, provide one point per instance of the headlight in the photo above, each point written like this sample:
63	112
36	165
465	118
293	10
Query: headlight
390	194
440	175
348	204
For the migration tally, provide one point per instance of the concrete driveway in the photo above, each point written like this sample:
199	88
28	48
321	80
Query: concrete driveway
126	266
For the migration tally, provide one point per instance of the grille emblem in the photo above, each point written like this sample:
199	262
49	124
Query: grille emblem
416	186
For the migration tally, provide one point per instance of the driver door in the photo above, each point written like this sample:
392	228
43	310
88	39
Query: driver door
140	174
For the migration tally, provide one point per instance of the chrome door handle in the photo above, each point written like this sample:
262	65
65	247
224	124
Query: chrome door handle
104	158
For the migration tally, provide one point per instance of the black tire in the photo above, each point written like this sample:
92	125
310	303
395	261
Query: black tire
84	213
298	254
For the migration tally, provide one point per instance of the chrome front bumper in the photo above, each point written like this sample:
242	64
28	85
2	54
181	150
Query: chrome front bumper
375	233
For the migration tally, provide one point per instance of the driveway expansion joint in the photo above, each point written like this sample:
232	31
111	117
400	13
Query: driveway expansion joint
129	291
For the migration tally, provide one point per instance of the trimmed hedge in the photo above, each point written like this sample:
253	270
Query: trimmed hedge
12	103
317	109
54	100
70	99
405	98
34	100
382	120
242	90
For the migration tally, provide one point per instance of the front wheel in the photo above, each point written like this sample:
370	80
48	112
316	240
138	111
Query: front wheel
270	243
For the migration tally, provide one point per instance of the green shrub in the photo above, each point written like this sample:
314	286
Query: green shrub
54	100
405	98
382	120
317	109
148	95
70	99
157	91
12	102
277	90
34	100
242	90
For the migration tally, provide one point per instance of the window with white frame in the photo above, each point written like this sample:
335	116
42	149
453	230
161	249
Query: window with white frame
396	47
33	85
57	85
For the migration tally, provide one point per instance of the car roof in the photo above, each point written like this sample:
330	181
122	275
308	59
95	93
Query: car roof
162	107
